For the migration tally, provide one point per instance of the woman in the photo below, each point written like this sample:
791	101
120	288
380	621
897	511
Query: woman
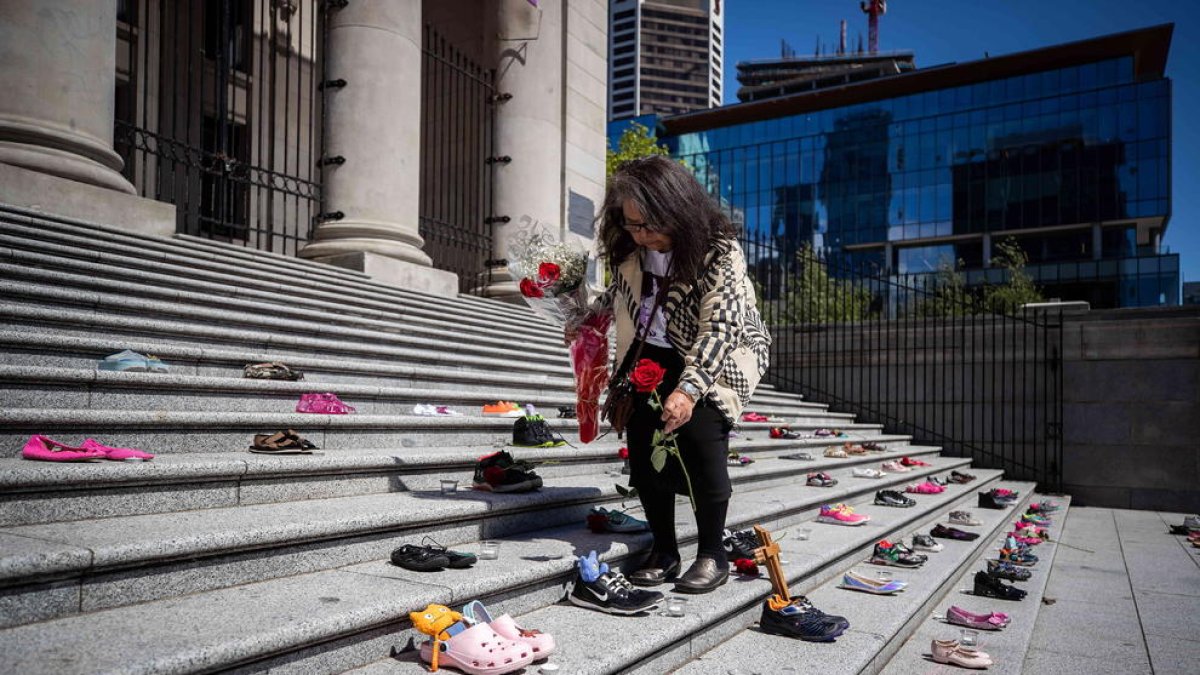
660	227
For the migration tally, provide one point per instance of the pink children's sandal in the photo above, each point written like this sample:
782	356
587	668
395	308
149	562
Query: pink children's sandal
46	449
116	454
322	404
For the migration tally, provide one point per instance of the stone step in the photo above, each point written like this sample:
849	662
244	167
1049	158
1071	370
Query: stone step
333	619
34	386
664	644
879	625
81	353
26	303
250	265
101	563
205	329
170	431
53	265
41	492
1008	647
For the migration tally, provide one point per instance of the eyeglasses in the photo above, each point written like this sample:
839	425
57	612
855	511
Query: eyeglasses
634	229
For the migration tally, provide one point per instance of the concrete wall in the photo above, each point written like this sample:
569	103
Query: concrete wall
1130	419
1131	408
584	134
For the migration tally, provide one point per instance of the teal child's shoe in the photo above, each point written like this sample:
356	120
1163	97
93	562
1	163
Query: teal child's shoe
125	362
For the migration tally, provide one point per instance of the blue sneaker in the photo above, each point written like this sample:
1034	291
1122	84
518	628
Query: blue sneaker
125	362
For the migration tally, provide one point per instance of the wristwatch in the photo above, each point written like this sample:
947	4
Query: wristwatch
691	390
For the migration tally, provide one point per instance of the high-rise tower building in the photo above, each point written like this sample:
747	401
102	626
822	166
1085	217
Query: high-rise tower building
664	56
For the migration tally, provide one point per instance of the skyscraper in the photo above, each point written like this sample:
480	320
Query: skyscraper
664	56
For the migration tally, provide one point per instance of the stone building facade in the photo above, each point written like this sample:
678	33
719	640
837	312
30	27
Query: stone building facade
351	133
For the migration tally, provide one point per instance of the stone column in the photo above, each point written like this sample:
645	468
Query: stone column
374	122
529	128
58	88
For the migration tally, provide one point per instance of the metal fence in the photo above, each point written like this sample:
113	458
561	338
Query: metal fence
952	366
218	112
457	100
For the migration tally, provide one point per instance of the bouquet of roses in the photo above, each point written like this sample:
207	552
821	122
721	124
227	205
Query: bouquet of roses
551	279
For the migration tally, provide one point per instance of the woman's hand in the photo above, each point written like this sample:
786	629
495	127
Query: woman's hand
677	410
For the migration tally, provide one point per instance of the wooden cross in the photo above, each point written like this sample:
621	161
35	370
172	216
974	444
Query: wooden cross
768	554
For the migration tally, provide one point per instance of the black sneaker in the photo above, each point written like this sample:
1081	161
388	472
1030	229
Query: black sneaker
989	586
741	544
566	412
612	593
801	620
942	532
531	431
420	558
499	472
893	498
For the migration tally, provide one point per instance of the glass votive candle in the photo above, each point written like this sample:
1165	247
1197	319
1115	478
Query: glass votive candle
449	485
676	606
489	549
804	533
969	638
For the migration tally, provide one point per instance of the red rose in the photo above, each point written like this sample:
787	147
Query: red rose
548	273
647	375
623	453
746	567
530	289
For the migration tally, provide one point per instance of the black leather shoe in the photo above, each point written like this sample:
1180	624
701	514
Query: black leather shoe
704	576
659	568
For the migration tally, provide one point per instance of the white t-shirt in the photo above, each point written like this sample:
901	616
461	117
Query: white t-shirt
655	265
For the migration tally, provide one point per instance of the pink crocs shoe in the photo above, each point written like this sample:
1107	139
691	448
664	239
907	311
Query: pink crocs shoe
46	449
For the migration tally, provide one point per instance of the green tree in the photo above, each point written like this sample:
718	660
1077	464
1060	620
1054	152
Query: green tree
636	141
816	297
951	297
1018	288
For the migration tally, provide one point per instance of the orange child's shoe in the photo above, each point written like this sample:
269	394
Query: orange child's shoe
503	409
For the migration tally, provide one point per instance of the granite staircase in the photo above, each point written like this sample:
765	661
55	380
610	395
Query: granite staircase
210	558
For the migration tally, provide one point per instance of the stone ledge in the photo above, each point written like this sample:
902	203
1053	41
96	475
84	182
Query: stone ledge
63	197
398	273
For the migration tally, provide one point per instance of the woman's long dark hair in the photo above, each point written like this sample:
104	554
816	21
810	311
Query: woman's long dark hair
672	202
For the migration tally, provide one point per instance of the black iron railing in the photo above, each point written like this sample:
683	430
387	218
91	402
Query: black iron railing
218	112
955	366
457	99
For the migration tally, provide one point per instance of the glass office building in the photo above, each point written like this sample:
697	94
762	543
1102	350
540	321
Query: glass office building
1064	149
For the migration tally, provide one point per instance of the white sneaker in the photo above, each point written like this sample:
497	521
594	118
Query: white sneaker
867	473
424	410
963	518
1192	522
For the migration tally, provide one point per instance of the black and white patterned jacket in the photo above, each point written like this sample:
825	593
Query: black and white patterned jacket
713	323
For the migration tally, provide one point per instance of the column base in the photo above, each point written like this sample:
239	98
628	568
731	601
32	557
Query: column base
393	272
65	153
67	198
500	286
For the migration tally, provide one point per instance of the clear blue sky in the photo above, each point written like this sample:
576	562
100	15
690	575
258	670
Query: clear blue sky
943	31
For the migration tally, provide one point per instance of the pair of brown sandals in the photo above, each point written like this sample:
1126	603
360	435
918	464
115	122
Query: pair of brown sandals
282	443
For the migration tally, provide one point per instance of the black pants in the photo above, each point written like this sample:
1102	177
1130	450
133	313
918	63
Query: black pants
704	445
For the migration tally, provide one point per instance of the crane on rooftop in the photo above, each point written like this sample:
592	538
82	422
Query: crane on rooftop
873	9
